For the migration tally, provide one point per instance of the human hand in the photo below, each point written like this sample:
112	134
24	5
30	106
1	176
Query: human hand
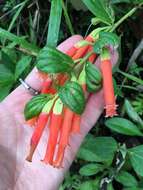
15	172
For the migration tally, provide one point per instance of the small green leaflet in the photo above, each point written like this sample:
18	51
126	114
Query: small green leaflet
4	34
51	60
126	179
72	95
93	77
90	184
101	9
91	169
136	157
22	65
35	105
105	39
133	114
123	126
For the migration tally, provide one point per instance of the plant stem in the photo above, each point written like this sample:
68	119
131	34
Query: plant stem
77	66
130	13
68	21
128	87
86	57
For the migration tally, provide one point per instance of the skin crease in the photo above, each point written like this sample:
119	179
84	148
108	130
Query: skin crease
15	172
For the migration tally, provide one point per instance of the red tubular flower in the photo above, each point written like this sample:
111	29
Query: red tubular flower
41	124
106	69
46	86
64	137
77	118
93	55
32	122
55	125
82	50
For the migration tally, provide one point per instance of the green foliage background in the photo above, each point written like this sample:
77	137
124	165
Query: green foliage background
113	149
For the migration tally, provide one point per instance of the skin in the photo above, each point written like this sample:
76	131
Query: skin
15	172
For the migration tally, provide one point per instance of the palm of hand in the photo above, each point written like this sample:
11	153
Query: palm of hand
15	172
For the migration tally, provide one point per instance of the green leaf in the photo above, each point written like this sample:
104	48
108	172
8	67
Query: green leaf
137	1
54	22
91	169
87	185
35	105
120	1
10	51
6	76
72	95
67	18
4	34
21	65
88	155
132	113
136	158
7	61
101	9
123	126
51	60
15	17
132	188
131	77
99	149
4	91
93	77
105	39
6	81
127	1
90	184
126	179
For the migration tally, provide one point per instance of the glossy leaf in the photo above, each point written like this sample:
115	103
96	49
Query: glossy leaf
136	158
93	77
91	169
101	9
123	126
71	94
105	39
35	105
51	60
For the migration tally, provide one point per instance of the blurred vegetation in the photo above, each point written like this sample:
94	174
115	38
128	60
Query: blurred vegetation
102	162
